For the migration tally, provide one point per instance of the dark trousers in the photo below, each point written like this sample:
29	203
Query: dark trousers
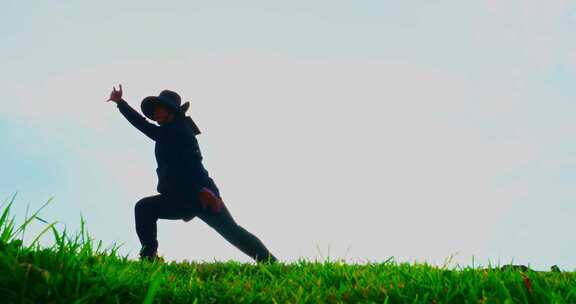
174	207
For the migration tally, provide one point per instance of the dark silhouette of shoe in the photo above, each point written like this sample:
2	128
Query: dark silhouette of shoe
515	267
148	254
271	259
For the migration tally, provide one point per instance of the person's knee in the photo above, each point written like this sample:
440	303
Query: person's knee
141	207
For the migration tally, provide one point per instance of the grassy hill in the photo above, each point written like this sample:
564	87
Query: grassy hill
76	270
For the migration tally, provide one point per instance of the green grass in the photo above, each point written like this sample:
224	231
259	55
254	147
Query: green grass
75	270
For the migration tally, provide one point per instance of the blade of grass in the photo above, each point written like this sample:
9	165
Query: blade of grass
153	288
42	233
3	220
34	216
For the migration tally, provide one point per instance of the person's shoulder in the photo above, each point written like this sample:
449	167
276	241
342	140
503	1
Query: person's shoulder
187	124
180	128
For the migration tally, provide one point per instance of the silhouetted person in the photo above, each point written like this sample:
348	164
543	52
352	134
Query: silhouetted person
185	188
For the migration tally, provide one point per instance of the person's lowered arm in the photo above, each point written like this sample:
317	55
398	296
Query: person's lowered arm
136	119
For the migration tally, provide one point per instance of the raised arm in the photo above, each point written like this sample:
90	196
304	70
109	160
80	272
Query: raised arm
136	119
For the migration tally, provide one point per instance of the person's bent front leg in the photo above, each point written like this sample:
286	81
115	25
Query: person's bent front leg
146	216
147	212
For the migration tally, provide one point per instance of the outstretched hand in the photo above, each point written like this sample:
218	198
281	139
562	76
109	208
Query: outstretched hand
115	96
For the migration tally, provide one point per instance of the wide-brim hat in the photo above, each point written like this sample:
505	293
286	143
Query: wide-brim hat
167	98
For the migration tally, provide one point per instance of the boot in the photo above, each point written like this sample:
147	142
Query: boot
149	254
270	259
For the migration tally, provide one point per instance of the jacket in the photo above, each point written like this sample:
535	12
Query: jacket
180	169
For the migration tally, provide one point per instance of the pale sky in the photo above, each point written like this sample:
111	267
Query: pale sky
355	130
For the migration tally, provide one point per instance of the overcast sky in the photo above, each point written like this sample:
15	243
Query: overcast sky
358	130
